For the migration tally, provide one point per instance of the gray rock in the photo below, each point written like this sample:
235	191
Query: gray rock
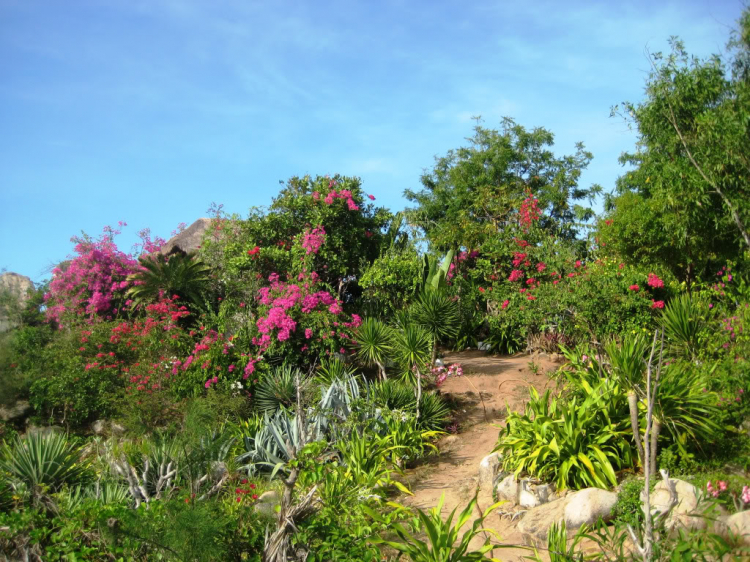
536	522
18	287
99	427
188	240
267	502
587	506
116	428
531	494
507	489
18	410
488	470
44	431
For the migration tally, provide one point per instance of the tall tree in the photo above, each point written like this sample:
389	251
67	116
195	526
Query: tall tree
691	173
474	192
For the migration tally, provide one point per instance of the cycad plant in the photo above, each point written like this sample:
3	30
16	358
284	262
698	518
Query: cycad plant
437	313
374	344
412	350
184	275
43	462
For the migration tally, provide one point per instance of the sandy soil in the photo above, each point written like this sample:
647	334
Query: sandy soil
500	382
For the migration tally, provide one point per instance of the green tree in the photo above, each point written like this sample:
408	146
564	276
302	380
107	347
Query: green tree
690	178
474	192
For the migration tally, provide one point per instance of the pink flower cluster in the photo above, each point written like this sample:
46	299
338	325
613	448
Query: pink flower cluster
654	281
343	194
312	240
715	492
529	211
441	373
92	281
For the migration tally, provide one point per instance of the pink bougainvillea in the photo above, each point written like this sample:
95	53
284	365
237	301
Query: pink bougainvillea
313	239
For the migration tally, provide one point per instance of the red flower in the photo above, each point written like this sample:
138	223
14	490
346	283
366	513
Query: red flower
505	304
481	289
657	304
634	288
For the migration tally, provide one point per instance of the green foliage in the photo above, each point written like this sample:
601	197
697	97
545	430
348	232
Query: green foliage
434	277
43	463
408	442
276	390
411	349
437	313
434	413
629	509
391	282
473	192
442	542
575	445
558	546
682	325
374	343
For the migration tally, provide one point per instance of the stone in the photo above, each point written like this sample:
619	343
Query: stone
18	410
531	494
99	427
189	240
43	431
686	514
587	506
536	522
582	507
739	526
116	429
507	489
18	287
488	470
267	502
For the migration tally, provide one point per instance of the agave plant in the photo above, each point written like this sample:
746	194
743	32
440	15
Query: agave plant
179	274
43	461
437	313
374	344
271	447
277	390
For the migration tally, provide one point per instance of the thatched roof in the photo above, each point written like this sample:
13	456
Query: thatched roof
188	240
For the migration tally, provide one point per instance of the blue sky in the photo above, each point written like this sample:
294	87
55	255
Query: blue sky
147	111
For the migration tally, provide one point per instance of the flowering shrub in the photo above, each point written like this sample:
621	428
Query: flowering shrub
441	373
93	282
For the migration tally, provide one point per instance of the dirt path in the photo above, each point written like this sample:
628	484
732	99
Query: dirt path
502	381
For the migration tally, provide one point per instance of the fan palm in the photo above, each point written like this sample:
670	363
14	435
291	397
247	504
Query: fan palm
179	274
374	344
437	313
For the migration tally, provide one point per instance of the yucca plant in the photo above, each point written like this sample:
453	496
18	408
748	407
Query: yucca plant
628	366
43	462
374	344
442	542
434	412
331	369
683	326
179	274
276	390
412	349
437	313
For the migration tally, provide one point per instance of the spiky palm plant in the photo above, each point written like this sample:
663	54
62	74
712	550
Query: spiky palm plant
682	325
184	275
628	366
412	349
437	313
374	344
276	390
43	461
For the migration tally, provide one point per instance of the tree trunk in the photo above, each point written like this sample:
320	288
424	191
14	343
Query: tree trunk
381	370
419	390
633	404
655	430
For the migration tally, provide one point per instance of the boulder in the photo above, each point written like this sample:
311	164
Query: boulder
582	507
507	489
267	502
43	430
587	506
99	427
739	526
686	514
18	288
116	428
188	240
488	470
18	410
